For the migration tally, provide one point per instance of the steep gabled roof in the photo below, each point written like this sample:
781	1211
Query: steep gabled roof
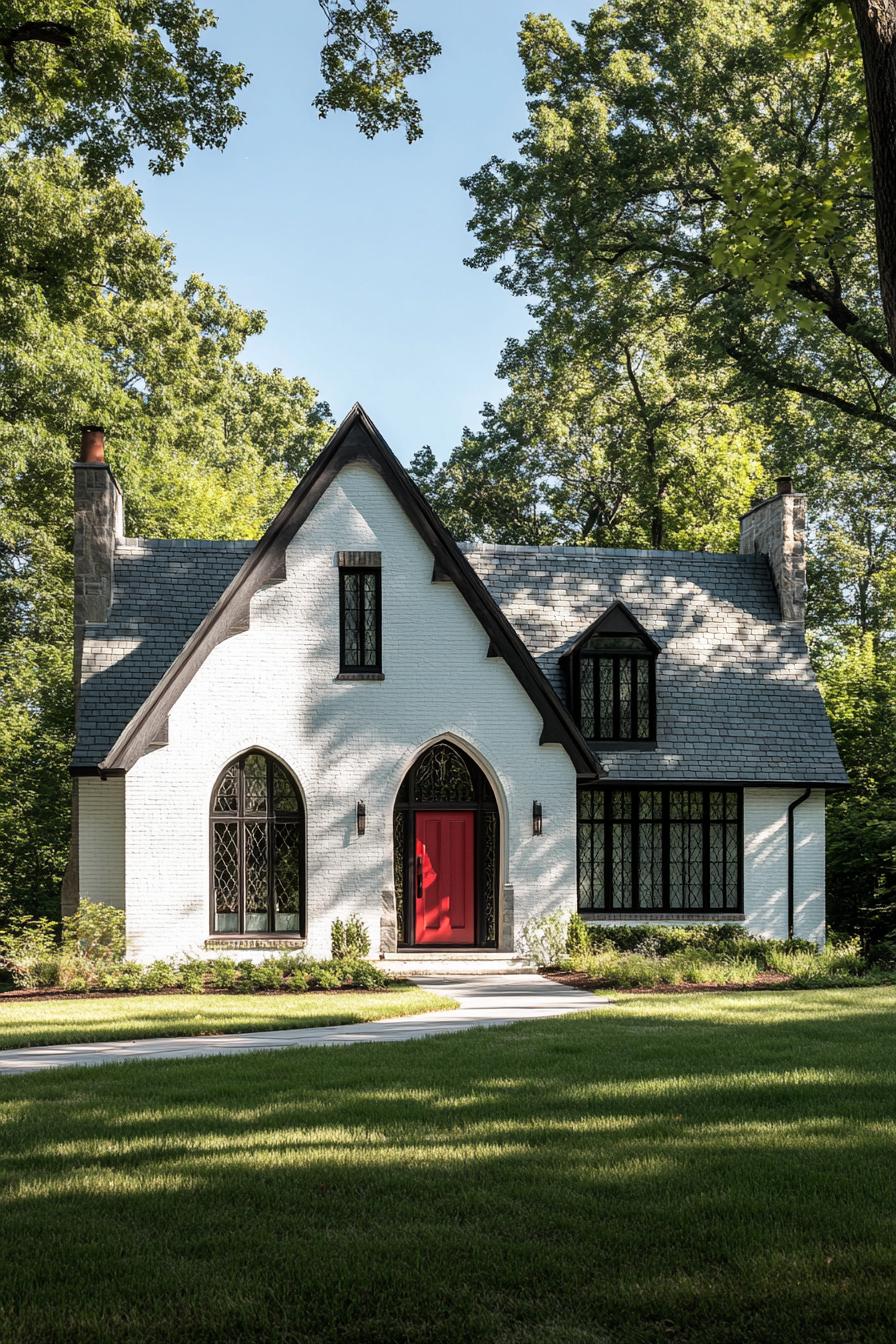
356	440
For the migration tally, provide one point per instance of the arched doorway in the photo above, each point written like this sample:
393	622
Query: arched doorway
446	848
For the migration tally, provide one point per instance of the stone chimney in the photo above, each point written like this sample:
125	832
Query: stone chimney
99	523
776	528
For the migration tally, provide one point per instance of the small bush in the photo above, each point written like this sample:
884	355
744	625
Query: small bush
350	940
222	973
127	975
327	977
544	939
577	941
297	982
95	931
191	975
364	975
267	974
158	975
29	952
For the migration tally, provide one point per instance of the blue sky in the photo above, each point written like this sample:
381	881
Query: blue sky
354	248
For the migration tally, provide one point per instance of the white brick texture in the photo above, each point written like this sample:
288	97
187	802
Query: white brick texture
274	687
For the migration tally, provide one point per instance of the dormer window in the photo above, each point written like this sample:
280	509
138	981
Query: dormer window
613	679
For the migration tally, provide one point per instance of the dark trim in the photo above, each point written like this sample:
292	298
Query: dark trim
616	620
359	559
792	807
356	440
704	783
664	916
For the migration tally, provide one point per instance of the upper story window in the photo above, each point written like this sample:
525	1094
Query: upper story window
613	679
360	613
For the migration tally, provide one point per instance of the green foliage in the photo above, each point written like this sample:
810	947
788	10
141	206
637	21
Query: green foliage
544	939
577	941
95	328
95	932
159	975
350	939
222	973
28	949
109	78
366	62
191	975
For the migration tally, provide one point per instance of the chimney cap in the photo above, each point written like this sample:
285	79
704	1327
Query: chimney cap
93	444
785	485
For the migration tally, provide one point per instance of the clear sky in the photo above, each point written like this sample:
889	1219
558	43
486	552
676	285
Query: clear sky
354	248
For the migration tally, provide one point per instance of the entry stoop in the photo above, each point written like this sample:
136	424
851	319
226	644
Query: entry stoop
443	962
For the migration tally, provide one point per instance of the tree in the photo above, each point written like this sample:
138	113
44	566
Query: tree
95	328
366	62
108	77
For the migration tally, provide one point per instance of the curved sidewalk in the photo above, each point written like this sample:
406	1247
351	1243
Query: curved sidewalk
484	1001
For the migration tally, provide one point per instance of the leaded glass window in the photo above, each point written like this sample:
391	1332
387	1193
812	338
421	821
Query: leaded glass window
614	689
258	849
675	850
360	620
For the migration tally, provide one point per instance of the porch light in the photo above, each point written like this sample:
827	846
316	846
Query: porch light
536	818
362	817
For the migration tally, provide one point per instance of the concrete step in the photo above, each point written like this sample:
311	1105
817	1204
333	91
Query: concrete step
461	962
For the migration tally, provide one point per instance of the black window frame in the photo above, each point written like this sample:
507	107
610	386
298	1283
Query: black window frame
362	571
642	661
242	816
604	828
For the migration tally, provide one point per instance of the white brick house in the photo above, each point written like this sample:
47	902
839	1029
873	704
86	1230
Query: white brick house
356	716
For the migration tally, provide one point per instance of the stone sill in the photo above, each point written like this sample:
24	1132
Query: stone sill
662	916
360	676
248	944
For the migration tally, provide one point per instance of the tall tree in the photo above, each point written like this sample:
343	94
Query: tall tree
94	325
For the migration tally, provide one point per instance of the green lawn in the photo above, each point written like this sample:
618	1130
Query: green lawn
58	1021
701	1169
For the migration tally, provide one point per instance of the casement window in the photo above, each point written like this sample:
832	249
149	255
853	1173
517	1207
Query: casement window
612	679
655	850
257	849
360	619
615	681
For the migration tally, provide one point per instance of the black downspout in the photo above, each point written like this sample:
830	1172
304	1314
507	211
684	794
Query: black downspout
790	811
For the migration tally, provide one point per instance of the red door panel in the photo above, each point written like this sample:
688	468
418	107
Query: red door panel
443	888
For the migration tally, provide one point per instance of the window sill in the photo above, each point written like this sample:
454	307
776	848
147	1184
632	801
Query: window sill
272	941
663	916
360	676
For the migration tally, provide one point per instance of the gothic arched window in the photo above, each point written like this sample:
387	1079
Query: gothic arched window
257	849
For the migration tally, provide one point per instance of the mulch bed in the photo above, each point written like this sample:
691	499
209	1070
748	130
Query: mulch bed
581	980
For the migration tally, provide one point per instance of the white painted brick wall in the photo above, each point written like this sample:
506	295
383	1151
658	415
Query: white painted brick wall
273	687
765	863
101	839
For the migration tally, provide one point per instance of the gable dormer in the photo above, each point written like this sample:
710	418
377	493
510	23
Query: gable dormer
611	676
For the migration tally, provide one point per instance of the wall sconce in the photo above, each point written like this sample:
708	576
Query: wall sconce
536	818
362	817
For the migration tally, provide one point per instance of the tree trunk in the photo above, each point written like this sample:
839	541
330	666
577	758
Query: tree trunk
876	25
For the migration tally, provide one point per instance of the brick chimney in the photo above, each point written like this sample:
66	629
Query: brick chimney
776	528
99	523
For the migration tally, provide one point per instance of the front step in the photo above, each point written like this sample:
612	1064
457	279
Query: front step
412	962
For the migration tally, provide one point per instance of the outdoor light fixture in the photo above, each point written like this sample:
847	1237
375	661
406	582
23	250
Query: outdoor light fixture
362	817
536	818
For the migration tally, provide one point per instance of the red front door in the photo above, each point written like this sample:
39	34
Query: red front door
443	878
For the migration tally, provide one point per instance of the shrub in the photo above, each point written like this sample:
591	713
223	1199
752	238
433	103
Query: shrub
191	974
350	940
364	975
267	974
544	939
297	982
29	952
328	976
577	940
158	975
222	973
126	975
95	931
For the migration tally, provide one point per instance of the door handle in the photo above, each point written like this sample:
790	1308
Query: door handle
419	877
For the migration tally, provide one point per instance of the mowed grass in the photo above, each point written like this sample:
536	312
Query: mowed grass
60	1021
709	1168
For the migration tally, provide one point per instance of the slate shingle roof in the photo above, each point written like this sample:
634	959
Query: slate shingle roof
736	698
162	591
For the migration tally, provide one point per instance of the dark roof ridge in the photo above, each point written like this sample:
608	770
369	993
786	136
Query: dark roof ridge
506	548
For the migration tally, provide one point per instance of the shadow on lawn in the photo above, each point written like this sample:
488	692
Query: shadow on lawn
645	1174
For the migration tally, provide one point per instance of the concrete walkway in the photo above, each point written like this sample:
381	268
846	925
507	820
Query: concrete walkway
485	1001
